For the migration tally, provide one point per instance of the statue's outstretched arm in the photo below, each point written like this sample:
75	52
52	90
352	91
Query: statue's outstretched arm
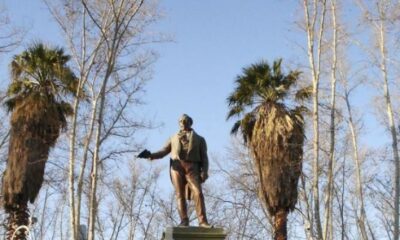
162	152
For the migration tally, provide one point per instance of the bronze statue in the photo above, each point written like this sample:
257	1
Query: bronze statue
189	169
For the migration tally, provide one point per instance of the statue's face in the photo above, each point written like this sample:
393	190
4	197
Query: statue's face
184	123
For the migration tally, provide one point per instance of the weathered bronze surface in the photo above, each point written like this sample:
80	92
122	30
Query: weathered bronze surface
189	169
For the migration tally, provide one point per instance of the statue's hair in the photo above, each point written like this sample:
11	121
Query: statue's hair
188	118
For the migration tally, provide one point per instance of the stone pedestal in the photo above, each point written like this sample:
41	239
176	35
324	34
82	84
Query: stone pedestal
193	233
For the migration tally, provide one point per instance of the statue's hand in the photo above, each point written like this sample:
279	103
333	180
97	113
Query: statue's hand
144	154
203	176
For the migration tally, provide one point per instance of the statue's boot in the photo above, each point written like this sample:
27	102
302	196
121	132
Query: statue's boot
200	207
182	210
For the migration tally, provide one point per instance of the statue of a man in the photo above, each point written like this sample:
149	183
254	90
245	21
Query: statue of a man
189	168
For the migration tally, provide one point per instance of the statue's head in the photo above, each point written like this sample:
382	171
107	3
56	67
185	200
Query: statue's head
185	122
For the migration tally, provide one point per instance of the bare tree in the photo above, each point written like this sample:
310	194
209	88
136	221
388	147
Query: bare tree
138	198
361	215
105	38
334	46
11	36
380	16
315	12
237	205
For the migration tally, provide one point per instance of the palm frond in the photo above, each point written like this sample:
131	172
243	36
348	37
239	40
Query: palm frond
260	83
65	108
236	127
15	88
299	112
247	126
46	67
235	111
304	93
276	67
10	104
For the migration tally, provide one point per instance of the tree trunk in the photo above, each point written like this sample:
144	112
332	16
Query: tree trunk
280	225
81	176
307	216
94	174
315	63
72	138
392	127
361	218
18	222
331	163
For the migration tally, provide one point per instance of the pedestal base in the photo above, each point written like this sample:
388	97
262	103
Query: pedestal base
193	233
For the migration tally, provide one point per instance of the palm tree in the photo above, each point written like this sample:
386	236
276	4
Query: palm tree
40	80
273	133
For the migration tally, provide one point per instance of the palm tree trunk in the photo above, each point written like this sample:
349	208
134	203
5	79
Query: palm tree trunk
18	222
280	225
10	225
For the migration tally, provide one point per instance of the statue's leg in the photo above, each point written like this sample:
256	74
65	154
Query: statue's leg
193	179
179	182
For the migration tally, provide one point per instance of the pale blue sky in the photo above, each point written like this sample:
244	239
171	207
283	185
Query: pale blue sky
213	41
194	74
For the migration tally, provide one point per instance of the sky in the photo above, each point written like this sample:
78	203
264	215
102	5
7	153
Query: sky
195	72
212	41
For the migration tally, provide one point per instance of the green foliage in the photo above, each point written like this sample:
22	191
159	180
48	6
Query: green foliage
259	84
304	93
42	70
246	124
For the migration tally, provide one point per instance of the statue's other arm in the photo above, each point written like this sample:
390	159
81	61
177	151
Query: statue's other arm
163	152
204	159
